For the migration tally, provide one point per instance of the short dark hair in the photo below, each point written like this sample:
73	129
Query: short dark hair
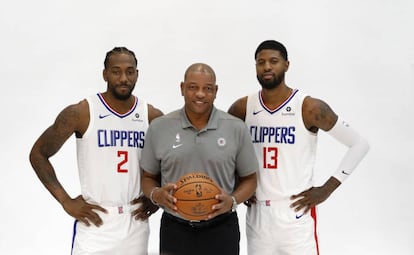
118	50
272	45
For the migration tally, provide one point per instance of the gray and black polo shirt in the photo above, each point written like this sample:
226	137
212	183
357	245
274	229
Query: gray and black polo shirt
173	148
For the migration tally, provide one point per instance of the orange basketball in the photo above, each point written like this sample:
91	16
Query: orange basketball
195	196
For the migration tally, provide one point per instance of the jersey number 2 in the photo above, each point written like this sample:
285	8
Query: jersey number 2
124	158
270	157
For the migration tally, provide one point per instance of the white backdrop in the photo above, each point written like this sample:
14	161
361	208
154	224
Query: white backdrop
358	56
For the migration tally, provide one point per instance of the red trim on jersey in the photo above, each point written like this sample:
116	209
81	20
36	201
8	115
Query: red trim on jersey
107	106
313	215
280	106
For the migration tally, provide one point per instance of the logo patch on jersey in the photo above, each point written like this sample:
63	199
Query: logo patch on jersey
101	116
257	112
288	111
136	118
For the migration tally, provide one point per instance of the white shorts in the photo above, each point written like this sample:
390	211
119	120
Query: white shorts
120	234
273	228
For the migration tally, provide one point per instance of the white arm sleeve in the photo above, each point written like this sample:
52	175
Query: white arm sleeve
358	148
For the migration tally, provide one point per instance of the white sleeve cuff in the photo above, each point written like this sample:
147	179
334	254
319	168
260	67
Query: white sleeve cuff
358	148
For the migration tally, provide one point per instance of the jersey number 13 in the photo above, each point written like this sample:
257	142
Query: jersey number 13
270	155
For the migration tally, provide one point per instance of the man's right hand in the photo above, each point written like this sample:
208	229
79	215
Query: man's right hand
164	198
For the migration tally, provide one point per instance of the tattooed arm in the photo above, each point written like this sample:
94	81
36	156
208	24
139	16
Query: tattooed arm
316	115
73	119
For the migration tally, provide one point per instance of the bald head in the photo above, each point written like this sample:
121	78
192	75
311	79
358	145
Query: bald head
200	67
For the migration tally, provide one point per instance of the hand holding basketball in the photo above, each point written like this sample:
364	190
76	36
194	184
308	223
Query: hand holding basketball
161	196
196	195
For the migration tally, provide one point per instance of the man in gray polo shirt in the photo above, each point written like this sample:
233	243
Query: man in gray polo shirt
199	138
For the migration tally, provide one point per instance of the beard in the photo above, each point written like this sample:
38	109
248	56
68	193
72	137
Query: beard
271	84
122	96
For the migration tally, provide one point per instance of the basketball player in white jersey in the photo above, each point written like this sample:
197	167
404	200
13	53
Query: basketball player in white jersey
284	123
111	215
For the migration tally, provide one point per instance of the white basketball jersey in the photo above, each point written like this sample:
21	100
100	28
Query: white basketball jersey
109	152
284	147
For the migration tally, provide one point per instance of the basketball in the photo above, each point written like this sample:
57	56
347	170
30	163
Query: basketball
195	196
